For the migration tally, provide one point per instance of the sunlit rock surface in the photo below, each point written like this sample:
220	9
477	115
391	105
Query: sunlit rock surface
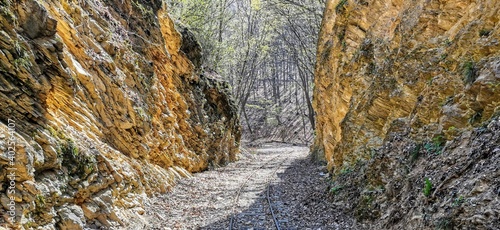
107	108
412	83
435	65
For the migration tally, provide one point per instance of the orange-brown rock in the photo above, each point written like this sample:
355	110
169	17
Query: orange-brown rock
408	111
434	65
107	109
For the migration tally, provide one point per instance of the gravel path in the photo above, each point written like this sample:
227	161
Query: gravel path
238	195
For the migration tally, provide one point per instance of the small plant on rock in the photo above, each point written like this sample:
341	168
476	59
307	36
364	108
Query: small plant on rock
436	145
144	10
458	201
77	163
438	140
40	201
5	10
22	59
345	170
469	71
427	187
484	33
341	6
22	62
415	153
336	189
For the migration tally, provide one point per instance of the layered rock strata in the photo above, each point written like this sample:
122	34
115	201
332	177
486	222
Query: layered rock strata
407	101
101	107
431	66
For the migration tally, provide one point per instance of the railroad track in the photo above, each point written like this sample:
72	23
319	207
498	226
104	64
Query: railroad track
259	215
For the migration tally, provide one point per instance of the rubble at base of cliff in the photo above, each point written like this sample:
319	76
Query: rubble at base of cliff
411	184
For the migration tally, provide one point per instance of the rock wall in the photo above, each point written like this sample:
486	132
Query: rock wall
100	107
432	66
408	82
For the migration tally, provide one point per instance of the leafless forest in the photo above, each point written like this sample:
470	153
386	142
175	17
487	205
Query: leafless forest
266	51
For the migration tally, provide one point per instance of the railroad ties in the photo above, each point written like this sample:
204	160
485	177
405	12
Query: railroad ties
253	204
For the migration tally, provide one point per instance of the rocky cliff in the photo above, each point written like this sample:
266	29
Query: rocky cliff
101	106
407	101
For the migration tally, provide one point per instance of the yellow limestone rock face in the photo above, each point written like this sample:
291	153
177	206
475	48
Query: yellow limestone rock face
102	108
429	67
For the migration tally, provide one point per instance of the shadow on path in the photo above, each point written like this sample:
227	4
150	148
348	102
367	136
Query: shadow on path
300	199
